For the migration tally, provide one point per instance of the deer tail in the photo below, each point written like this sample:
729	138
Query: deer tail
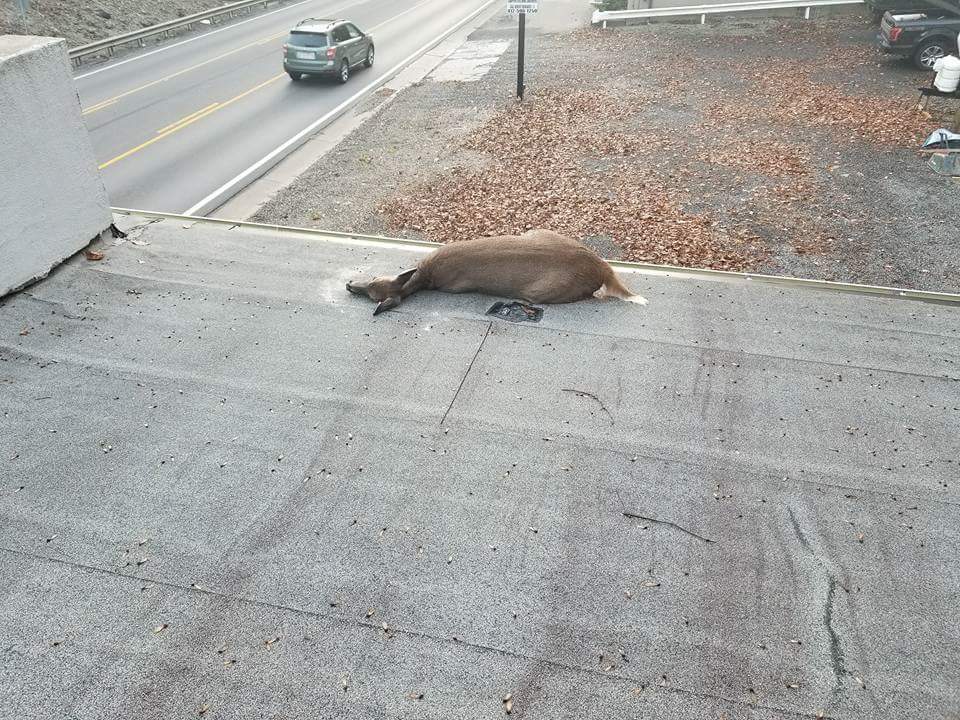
612	287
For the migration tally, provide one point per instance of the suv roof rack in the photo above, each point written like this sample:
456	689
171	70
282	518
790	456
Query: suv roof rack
317	21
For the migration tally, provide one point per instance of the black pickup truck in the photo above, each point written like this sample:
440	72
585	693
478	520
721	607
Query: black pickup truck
923	35
879	7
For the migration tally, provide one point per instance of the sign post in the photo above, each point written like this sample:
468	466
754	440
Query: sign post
521	8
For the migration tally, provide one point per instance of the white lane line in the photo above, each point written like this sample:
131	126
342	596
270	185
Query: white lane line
189	40
399	15
278	153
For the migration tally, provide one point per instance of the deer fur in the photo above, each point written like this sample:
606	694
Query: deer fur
537	267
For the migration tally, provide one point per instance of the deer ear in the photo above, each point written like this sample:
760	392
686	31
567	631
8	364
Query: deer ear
387	304
404	276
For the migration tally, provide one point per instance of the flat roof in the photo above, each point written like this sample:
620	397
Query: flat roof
229	488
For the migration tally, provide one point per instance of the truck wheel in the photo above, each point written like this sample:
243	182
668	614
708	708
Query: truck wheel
369	61
928	52
344	72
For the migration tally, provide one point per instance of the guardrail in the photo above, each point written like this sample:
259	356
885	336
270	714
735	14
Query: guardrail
108	45
605	16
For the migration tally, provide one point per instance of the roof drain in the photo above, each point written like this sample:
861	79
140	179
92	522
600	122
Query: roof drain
515	312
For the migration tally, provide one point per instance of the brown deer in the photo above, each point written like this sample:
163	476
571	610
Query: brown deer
537	267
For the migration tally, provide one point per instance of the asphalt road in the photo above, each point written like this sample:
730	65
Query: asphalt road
172	124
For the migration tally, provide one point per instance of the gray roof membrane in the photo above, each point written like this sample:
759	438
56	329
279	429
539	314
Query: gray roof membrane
229	491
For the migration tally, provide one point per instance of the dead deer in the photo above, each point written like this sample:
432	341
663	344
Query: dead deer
537	267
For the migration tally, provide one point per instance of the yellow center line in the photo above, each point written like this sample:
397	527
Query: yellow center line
110	101
184	119
105	103
189	120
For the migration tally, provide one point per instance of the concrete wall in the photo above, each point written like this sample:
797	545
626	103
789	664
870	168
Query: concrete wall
52	200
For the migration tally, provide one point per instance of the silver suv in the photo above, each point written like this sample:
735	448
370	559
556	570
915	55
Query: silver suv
326	47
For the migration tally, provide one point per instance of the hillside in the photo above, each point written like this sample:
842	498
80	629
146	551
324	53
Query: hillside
84	22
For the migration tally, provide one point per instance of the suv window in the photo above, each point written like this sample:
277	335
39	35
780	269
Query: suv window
354	33
307	39
340	34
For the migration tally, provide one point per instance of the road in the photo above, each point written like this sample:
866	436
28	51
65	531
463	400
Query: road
173	124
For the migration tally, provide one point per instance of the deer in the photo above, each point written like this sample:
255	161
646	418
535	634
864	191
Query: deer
538	267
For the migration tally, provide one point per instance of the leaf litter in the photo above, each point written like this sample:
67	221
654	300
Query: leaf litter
587	161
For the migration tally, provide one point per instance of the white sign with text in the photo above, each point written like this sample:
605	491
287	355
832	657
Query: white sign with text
527	7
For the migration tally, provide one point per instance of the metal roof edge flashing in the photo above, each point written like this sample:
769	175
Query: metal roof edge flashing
930	296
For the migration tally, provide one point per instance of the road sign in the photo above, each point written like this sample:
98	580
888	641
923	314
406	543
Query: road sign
522	7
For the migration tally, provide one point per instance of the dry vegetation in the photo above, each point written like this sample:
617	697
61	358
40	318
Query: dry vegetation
578	161
537	177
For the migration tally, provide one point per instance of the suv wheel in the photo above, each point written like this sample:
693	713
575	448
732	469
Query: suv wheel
928	52
369	61
294	75
344	72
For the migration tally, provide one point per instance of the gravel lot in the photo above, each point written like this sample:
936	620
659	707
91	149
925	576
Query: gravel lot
83	21
771	145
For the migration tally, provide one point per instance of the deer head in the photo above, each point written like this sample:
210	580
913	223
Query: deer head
387	292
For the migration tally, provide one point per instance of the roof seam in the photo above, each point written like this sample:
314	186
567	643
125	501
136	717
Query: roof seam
902	491
146	372
549	328
469	368
93	569
745	353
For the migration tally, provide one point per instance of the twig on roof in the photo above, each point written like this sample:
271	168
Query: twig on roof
666	522
584	393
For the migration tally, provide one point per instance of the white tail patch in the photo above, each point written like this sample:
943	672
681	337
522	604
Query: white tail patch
603	292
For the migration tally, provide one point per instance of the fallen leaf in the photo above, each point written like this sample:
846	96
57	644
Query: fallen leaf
93	255
160	628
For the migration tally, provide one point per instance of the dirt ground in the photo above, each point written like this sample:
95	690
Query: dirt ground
84	21
770	145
